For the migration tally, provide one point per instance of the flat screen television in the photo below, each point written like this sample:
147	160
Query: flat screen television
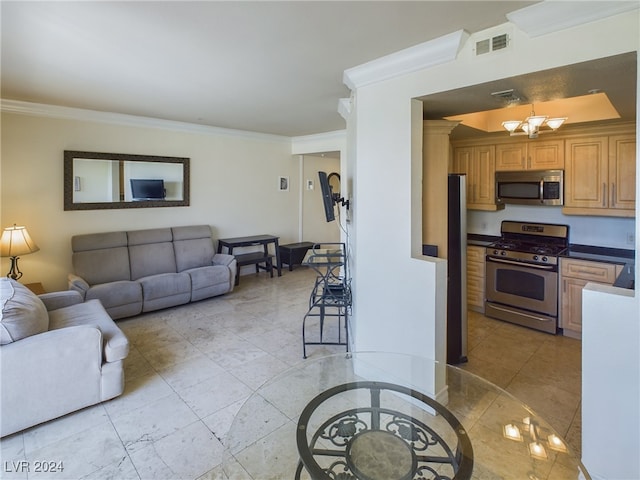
147	189
327	197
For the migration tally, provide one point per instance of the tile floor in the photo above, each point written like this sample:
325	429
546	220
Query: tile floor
191	368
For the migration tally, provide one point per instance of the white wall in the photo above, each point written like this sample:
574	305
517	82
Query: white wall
610	393
233	185
394	291
398	294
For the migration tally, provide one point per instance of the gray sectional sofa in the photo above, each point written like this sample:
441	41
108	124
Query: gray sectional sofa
58	354
144	270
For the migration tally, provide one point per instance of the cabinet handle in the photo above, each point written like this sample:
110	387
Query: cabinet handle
613	194
564	286
528	162
604	194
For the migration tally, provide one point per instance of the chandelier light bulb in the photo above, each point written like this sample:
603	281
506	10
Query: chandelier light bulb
535	121
555	123
512	432
511	125
556	444
537	450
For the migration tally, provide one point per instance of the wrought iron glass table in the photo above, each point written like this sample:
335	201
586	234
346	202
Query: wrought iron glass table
371	416
330	295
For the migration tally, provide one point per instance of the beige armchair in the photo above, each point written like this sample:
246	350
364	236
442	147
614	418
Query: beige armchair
58	354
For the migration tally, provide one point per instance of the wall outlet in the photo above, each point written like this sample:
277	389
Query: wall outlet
309	184
631	239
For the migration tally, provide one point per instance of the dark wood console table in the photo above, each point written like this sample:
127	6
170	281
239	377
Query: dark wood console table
264	240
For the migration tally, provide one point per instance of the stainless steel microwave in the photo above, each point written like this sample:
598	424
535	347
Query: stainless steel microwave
530	187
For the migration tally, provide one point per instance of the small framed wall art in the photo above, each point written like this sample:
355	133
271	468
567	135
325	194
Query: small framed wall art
283	184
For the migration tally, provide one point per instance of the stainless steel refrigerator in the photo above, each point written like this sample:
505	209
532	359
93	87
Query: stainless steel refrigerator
457	270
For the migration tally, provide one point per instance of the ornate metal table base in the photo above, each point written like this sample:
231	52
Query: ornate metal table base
380	443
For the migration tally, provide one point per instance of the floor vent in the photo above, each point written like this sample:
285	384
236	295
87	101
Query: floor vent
499	42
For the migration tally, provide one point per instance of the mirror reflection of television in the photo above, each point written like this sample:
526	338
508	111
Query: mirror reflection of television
327	197
147	189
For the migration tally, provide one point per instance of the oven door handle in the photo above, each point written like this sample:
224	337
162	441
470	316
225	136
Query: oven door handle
518	264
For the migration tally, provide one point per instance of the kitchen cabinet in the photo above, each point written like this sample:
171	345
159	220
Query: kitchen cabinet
532	155
600	175
475	278
574	275
479	163
622	171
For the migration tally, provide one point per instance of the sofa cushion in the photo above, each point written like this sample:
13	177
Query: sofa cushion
152	259
116	293
23	313
92	313
209	281
151	252
103	265
165	290
194	253
98	241
152	235
101	257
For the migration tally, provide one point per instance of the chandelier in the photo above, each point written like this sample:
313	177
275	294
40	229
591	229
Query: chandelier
533	125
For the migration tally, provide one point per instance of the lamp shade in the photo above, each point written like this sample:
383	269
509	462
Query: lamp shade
16	241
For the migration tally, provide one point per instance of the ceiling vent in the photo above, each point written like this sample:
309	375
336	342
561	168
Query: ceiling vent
493	44
508	97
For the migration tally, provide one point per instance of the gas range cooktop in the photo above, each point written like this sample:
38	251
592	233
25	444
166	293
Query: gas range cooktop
536	243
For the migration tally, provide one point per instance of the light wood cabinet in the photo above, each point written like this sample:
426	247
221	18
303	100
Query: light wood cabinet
574	275
479	164
587	172
622	171
536	155
600	175
599	165
475	278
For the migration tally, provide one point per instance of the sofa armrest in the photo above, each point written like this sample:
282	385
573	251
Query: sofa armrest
92	314
223	259
78	284
55	300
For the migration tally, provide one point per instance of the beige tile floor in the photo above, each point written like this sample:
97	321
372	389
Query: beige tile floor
191	368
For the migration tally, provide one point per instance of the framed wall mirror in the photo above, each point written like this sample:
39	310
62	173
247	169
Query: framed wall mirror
96	181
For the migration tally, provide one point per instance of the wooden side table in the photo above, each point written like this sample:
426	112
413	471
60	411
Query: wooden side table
293	253
36	288
264	240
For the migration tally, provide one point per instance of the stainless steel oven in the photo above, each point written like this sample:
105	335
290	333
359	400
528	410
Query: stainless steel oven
521	283
524	294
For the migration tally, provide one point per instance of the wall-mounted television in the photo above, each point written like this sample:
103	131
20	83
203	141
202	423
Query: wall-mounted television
327	197
147	189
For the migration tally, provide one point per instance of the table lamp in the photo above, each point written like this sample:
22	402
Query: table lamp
16	241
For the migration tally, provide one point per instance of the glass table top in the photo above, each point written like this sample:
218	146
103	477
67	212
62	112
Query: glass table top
371	416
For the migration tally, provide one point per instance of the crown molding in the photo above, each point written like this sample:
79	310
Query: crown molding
548	17
412	59
70	113
319	142
344	107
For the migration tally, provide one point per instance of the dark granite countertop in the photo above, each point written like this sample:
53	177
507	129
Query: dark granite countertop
600	254
619	256
481	240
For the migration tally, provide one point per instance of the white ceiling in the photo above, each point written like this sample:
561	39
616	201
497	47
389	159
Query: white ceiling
270	67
